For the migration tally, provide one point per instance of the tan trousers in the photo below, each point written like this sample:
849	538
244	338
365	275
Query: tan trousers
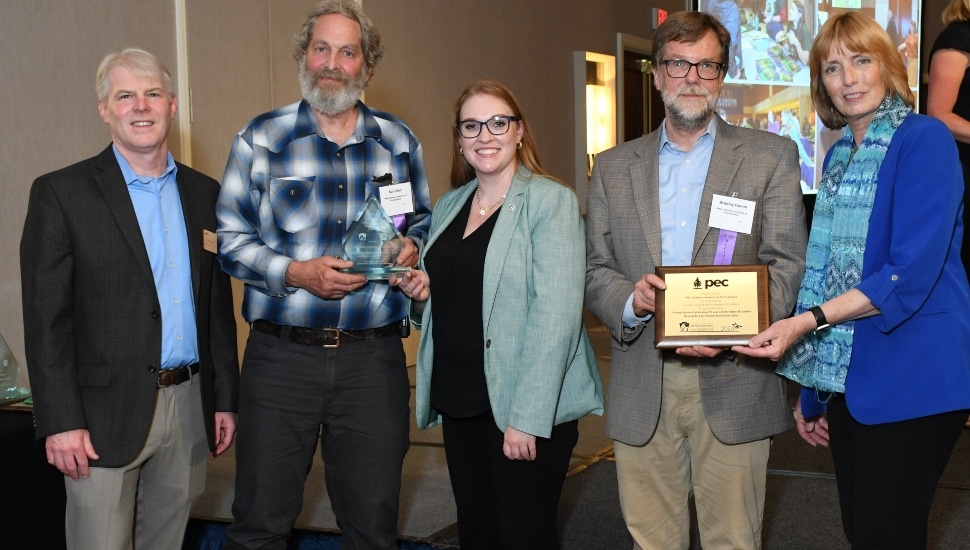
145	505
655	480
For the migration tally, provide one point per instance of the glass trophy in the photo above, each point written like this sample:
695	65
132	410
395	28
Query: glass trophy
9	369
373	243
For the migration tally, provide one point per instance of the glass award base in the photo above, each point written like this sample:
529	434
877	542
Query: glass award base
373	243
377	273
9	396
9	369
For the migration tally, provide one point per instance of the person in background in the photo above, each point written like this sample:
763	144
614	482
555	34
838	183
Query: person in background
324	362
504	362
799	34
892	28
806	128
910	49
948	94
883	285
727	12
692	420
792	129
775	17
774	125
128	322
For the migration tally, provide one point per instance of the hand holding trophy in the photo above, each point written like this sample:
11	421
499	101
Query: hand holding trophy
373	243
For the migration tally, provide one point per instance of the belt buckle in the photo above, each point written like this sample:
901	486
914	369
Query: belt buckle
165	378
336	338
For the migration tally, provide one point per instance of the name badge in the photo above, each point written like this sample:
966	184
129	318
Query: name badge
210	242
397	198
732	214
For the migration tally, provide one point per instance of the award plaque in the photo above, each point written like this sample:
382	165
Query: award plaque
373	243
711	305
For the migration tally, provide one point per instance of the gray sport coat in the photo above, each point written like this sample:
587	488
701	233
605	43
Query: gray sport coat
743	399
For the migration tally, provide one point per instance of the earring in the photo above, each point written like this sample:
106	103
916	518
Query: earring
518	145
461	150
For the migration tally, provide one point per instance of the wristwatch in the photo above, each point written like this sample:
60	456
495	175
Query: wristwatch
821	323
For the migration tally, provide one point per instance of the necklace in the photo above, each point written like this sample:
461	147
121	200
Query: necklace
484	209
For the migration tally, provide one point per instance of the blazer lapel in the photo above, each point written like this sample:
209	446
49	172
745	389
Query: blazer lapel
498	245
115	192
725	162
645	178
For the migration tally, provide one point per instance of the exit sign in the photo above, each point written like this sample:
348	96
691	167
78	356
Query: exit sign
659	16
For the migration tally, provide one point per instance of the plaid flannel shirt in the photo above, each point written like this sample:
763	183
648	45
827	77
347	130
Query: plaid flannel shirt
289	193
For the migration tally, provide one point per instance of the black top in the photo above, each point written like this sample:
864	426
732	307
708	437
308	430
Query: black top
956	36
456	267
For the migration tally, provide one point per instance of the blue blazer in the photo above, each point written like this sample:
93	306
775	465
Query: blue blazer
913	359
539	366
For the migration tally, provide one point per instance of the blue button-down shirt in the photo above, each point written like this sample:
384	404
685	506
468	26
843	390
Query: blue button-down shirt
682	177
289	193
159	211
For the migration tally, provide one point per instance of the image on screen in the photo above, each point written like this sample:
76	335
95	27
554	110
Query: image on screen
767	84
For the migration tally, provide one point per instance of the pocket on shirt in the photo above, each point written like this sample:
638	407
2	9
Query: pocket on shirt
294	203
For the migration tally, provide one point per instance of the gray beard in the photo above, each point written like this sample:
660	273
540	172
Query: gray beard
336	100
683	121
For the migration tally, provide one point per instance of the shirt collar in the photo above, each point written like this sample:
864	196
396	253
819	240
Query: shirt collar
367	126
665	142
130	175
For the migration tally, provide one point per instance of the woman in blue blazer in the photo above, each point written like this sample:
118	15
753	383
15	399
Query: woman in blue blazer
881	335
504	361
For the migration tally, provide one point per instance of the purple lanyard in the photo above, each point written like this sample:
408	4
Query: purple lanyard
725	247
399	221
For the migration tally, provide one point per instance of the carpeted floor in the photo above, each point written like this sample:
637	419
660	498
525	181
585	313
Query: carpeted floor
801	508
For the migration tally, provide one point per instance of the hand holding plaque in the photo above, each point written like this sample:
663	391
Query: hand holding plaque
373	243
711	305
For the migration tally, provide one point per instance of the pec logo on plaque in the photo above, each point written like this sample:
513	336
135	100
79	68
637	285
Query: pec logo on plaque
710	305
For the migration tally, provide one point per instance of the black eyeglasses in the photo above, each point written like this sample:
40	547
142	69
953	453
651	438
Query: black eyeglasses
678	68
497	125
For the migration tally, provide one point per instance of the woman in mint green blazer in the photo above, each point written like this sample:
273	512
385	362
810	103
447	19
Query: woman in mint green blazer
504	361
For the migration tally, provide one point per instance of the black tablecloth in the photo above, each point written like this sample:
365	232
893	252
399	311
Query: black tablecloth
32	492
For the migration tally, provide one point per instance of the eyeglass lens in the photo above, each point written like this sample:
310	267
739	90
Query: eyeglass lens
678	68
497	125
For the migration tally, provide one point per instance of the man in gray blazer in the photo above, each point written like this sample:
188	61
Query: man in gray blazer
695	419
128	322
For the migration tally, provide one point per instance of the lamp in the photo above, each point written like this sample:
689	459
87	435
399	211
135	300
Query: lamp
599	121
594	113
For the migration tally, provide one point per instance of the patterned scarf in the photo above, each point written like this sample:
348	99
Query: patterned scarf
836	245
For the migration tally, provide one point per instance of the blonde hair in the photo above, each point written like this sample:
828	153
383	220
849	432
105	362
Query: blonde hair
859	33
956	11
137	62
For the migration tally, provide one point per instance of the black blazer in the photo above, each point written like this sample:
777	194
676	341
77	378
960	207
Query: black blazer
92	321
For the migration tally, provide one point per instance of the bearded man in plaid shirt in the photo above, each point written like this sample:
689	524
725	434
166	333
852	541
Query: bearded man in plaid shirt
324	359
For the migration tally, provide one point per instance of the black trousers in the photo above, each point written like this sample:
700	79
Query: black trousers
887	475
505	504
354	400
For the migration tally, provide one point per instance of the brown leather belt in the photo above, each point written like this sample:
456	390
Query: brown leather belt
174	377
322	337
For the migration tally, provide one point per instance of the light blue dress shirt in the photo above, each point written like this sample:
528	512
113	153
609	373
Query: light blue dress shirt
159	211
682	177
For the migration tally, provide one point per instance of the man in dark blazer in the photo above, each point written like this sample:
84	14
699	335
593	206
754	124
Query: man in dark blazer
128	322
696	419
